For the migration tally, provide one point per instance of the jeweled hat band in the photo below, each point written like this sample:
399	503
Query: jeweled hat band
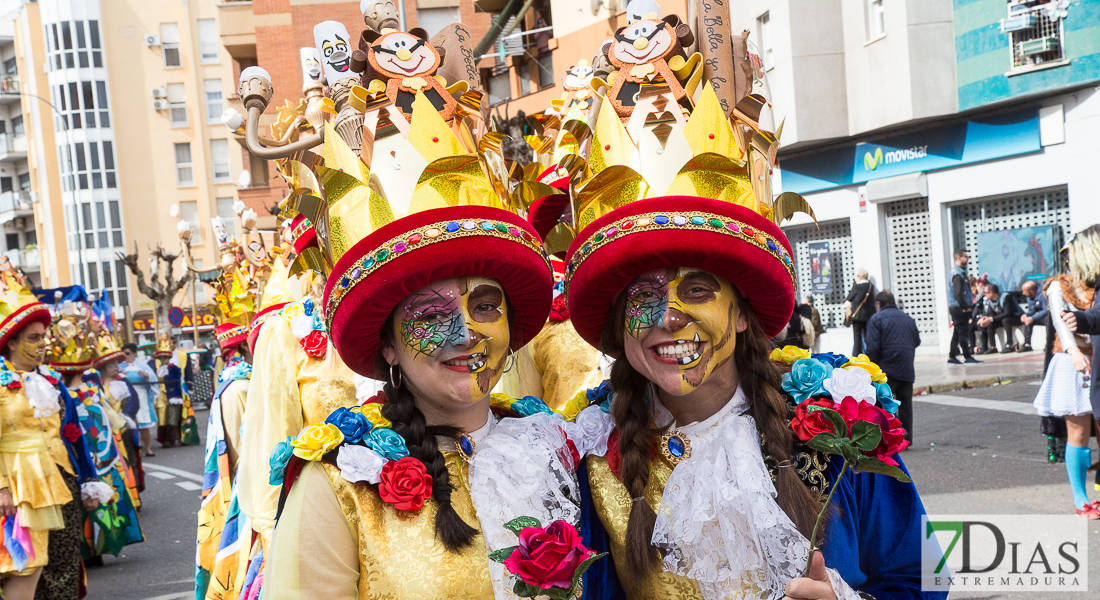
17	319
422	237
686	220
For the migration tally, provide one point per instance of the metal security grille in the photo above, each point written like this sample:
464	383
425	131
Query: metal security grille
839	236
1030	209
910	268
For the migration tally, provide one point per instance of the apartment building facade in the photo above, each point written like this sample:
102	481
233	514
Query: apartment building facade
931	125
17	198
123	101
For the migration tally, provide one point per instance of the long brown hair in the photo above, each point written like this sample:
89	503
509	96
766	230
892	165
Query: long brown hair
760	381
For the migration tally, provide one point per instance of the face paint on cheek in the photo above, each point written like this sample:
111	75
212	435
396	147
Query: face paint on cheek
647	302
31	352
714	327
486	315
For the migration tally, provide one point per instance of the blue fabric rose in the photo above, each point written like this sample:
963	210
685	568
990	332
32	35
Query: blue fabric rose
885	397
318	324
601	395
530	405
6	377
832	359
307	306
280	456
806	378
352	424
387	443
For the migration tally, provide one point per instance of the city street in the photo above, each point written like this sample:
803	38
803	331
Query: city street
976	451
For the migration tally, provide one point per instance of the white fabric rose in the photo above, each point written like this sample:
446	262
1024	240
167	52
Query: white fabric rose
366	388
589	432
851	382
96	490
301	326
358	463
43	396
175	401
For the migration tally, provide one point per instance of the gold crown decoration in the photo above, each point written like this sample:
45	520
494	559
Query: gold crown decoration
15	292
107	344
164	347
70	338
672	136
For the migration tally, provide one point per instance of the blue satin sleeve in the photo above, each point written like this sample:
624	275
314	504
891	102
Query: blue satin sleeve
79	454
873	539
600	580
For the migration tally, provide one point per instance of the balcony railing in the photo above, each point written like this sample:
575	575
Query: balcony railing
9	143
9	84
16	202
27	259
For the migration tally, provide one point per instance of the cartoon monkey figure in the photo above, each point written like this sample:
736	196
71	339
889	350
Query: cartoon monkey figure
642	51
405	64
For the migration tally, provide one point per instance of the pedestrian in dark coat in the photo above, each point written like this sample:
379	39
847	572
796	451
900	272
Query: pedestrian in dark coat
861	300
892	340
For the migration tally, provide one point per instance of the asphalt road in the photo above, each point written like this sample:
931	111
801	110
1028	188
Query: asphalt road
976	451
163	566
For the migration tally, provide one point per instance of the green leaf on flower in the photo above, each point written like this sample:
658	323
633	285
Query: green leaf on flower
839	426
866	436
526	590
556	593
868	464
581	569
502	554
829	443
517	524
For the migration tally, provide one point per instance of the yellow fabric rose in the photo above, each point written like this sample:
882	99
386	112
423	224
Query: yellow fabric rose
373	413
317	440
574	407
501	401
293	310
789	354
863	362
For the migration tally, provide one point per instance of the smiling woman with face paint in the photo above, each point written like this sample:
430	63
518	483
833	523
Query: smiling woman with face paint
407	495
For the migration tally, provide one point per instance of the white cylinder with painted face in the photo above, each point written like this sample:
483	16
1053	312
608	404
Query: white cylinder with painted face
334	47
311	66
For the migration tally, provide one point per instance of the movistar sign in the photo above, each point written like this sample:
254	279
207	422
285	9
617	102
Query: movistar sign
872	161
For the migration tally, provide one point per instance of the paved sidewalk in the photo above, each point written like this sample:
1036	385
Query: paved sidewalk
934	374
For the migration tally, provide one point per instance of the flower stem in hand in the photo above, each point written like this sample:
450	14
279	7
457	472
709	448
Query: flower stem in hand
821	517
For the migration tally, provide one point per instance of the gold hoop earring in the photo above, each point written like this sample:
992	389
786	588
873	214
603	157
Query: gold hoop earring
512	357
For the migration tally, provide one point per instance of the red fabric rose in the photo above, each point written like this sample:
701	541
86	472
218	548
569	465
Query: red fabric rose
558	310
15	384
548	557
808	424
893	434
574	455
71	432
614	459
315	344
379	398
405	484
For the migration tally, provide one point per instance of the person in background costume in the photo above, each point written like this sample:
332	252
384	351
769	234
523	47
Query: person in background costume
143	379
680	272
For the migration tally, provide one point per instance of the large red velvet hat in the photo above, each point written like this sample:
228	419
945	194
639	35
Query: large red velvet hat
725	239
545	213
230	335
32	312
382	269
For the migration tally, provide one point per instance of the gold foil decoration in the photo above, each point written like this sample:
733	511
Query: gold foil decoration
429	133
714	176
708	130
614	187
788	203
453	181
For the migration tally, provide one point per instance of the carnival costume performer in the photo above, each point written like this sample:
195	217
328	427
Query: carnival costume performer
433	285
113	524
47	470
143	379
1065	388
680	272
123	399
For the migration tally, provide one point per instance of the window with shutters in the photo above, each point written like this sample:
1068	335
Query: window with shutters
170	45
177	105
215	104
208	42
219	156
185	172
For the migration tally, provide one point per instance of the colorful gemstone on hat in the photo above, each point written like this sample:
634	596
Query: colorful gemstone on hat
627	226
344	282
771	245
679	220
760	238
382	255
469	225
585	249
527	236
513	231
415	238
487	226
400	247
645	221
355	273
734	227
501	227
698	220
450	227
715	223
598	238
660	220
434	233
612	232
368	262
749	231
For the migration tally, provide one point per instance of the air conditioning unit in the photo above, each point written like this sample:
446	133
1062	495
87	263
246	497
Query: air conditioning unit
152	40
160	105
159	92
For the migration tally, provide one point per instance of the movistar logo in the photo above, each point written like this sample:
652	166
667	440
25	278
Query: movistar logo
872	161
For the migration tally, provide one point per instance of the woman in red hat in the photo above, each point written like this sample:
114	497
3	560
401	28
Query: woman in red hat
680	272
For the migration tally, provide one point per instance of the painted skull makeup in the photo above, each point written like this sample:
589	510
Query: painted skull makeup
458	325
680	325
311	64
332	38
